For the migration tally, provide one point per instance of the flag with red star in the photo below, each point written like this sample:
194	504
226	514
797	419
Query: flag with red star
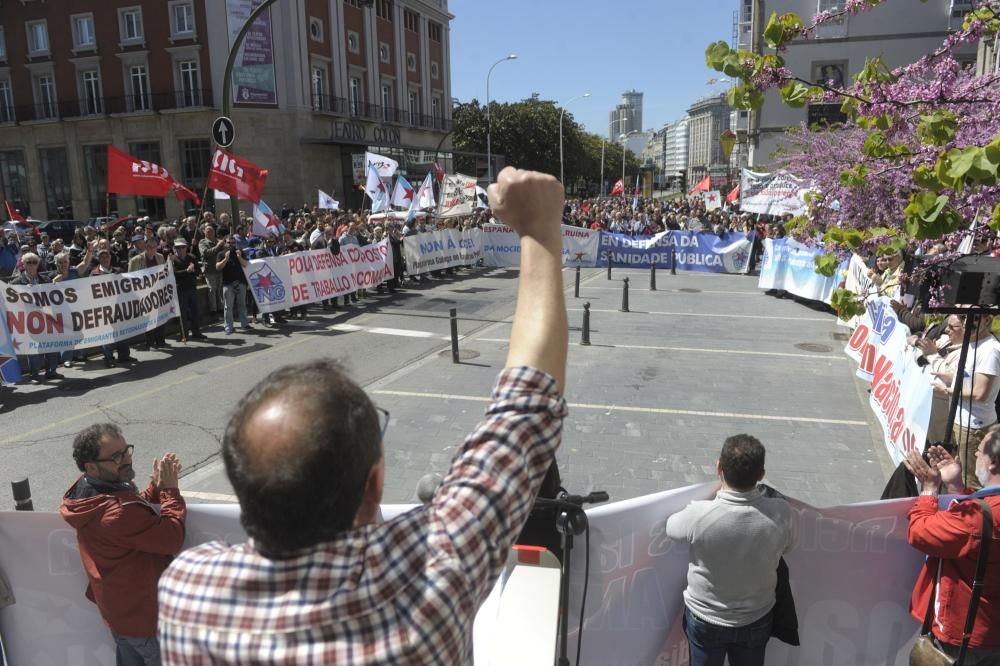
402	196
10	371
265	222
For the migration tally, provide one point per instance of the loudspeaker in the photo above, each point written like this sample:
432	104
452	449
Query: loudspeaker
972	280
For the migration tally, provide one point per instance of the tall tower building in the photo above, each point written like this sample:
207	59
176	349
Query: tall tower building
627	115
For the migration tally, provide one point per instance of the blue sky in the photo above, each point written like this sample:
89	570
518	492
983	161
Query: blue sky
568	47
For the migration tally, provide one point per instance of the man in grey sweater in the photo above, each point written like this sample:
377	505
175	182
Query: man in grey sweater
734	542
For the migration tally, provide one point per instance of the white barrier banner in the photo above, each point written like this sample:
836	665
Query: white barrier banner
851	573
442	248
88	312
502	246
278	283
902	391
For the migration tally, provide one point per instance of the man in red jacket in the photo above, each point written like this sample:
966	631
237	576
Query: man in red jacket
952	539
125	540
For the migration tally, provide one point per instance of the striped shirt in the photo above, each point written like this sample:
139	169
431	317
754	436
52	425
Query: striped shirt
402	592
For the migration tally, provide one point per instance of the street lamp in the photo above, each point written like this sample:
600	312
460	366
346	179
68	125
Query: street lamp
489	127
561	114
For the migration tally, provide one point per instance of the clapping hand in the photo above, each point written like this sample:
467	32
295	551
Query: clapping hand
165	471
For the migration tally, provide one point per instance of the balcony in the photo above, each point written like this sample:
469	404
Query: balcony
100	106
378	113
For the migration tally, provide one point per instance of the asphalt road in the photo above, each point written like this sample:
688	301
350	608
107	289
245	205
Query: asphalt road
651	399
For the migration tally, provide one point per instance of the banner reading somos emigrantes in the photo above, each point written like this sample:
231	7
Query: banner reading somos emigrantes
88	312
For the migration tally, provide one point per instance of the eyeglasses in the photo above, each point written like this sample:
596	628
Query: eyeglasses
383	421
118	456
29	262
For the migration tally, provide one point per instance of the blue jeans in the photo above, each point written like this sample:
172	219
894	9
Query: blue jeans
709	644
235	296
35	362
136	650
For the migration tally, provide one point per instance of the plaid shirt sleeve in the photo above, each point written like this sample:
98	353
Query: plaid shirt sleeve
402	592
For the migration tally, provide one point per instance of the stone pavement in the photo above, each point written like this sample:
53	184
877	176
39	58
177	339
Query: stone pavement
654	396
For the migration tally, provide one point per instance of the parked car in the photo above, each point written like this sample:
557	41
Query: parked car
64	229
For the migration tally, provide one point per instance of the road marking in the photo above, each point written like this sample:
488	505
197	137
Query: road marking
641	410
681	291
828	357
159	389
706	314
215	497
381	330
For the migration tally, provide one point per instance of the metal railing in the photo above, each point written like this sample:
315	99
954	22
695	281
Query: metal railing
377	112
98	106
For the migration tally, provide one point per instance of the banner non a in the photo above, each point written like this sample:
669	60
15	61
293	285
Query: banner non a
90	311
442	248
300	278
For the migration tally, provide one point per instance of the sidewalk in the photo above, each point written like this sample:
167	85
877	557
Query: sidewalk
654	396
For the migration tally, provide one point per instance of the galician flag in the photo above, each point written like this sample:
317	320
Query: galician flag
402	195
327	202
424	197
376	190
265	222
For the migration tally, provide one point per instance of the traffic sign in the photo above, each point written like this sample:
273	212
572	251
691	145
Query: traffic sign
223	131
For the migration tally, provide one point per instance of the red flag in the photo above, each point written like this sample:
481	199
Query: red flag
236	176
438	172
129	175
14	215
619	188
704	185
734	195
183	194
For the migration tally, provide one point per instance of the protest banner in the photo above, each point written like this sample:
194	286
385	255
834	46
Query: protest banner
442	248
856	280
790	266
704	252
458	195
851	573
502	246
902	391
776	193
88	312
300	278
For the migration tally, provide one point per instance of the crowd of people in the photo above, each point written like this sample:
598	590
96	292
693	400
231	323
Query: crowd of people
323	579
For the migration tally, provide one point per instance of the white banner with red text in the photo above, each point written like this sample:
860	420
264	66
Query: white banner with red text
300	278
442	248
88	312
902	391
851	573
502	246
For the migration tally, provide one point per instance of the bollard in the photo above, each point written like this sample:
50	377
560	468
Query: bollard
652	277
22	495
609	268
585	336
625	296
453	314
576	285
673	261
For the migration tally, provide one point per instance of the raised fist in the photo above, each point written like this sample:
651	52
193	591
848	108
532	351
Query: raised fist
529	202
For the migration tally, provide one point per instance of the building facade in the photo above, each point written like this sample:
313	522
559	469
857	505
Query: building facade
667	151
707	119
626	116
838	51
318	83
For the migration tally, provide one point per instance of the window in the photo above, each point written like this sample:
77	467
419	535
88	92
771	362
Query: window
38	37
436	111
387	105
45	97
14	178
352	3
130	24
836	27
139	86
315	29
353	42
181	19
383	53
55	179
195	157
321	100
190	92
6	102
356	97
83	32
411	62
3	44
95	162
434	31
435	70
411	20
414	107
152	206
90	103
383	9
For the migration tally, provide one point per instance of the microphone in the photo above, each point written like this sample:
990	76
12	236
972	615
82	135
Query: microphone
427	486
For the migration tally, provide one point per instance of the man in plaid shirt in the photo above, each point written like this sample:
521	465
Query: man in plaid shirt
320	581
